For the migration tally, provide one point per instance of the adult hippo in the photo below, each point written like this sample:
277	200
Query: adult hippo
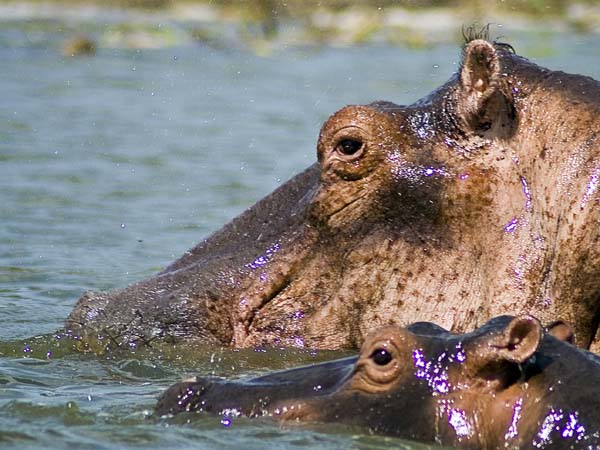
505	385
476	201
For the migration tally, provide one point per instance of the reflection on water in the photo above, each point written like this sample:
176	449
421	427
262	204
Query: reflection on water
112	166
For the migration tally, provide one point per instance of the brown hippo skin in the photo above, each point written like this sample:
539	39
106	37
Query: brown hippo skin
506	385
476	201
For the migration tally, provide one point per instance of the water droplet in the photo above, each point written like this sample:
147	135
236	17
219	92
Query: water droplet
226	422
511	226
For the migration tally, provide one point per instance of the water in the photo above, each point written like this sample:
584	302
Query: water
111	166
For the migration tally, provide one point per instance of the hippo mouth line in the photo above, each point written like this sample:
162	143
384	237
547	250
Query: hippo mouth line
279	288
245	322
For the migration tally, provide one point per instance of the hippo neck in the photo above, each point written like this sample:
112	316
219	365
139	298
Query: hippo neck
556	400
554	108
553	100
542	407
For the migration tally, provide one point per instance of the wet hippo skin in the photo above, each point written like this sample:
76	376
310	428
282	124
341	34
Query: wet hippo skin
478	200
508	384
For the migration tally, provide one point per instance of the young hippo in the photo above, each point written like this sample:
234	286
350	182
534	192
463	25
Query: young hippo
509	384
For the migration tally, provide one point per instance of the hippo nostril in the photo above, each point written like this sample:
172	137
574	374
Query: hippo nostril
349	147
381	357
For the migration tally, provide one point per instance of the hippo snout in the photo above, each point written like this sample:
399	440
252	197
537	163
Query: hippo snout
281	393
89	308
187	396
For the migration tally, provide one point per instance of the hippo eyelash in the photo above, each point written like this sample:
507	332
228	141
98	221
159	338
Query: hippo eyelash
381	357
349	147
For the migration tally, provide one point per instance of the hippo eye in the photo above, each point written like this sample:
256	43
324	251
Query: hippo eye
381	357
349	147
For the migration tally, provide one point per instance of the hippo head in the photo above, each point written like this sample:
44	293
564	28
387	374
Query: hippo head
497	385
458	208
388	166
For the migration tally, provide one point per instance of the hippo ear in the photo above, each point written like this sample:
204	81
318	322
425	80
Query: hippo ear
481	104
496	355
519	340
561	331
